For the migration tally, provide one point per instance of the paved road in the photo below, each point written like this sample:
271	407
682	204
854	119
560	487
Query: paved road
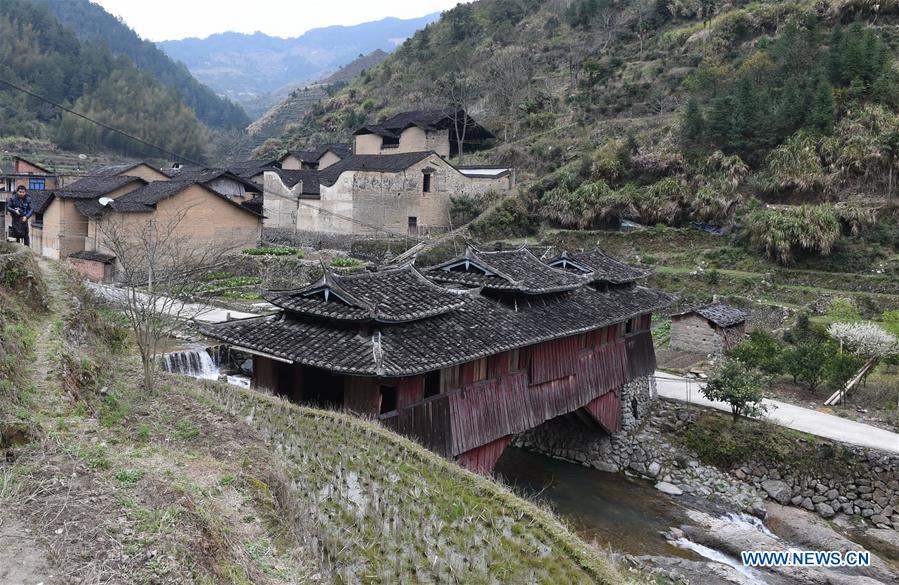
788	415
191	312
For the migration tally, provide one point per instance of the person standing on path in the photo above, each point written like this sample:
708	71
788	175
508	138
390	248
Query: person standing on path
20	208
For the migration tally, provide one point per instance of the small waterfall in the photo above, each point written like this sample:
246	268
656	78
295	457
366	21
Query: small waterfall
194	362
748	521
719	557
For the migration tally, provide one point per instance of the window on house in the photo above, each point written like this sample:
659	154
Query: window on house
38	220
426	183
389	399
432	383
36	184
629	326
480	370
582	340
413	226
390	142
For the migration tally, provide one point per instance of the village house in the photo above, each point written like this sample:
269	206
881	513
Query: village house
218	208
422	130
254	169
461	356
368	194
710	329
317	159
384	186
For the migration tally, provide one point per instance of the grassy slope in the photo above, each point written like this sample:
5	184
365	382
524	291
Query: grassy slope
128	487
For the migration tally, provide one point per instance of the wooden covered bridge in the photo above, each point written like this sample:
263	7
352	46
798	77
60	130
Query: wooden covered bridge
464	355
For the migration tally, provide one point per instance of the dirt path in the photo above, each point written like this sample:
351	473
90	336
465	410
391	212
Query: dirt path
24	557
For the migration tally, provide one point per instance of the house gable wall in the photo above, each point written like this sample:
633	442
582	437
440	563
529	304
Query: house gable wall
694	333
145	172
327	159
367	144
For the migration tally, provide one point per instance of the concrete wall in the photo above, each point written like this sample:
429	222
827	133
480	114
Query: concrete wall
327	159
366	144
694	333
291	163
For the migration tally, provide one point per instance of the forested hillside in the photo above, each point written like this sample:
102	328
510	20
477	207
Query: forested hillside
663	111
92	23
40	54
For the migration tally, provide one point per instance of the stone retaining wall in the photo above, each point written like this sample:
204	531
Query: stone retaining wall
848	480
316	240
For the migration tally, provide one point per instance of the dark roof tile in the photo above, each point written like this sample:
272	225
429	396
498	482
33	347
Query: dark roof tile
479	328
596	265
393	295
376	163
512	270
720	314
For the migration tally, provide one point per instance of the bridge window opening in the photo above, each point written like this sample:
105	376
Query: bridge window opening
480	370
426	183
514	360
432	383
389	399
449	379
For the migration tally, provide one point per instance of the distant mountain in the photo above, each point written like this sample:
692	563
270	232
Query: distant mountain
246	67
92	23
355	67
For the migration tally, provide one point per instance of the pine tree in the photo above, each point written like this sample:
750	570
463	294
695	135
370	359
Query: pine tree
822	113
721	123
692	124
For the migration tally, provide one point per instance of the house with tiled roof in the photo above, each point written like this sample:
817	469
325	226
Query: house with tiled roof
215	207
373	194
461	356
441	131
708	329
315	159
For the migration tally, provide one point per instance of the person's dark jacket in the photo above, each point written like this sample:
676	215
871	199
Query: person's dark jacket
20	208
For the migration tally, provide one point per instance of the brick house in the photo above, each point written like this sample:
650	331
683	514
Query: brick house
709	329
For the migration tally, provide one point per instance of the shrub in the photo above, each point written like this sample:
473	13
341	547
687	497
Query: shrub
740	386
806	363
761	351
780	232
509	219
843	310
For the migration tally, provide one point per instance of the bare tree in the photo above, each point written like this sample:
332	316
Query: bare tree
458	94
509	74
159	275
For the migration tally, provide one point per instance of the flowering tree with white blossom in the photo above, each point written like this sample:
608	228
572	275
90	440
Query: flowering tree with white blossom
865	339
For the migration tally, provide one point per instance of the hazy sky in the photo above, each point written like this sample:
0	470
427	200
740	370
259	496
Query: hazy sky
162	20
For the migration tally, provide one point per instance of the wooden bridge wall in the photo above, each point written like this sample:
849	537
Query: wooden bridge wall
554	378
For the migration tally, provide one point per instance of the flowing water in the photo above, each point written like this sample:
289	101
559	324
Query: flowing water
198	363
628	515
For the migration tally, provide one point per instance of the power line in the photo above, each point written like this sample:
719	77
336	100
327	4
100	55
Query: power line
27	91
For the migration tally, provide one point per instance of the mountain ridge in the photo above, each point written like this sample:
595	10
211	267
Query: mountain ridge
247	68
91	22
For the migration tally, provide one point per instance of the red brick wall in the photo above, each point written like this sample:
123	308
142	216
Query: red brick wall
92	270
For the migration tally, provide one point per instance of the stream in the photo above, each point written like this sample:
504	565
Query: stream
687	537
